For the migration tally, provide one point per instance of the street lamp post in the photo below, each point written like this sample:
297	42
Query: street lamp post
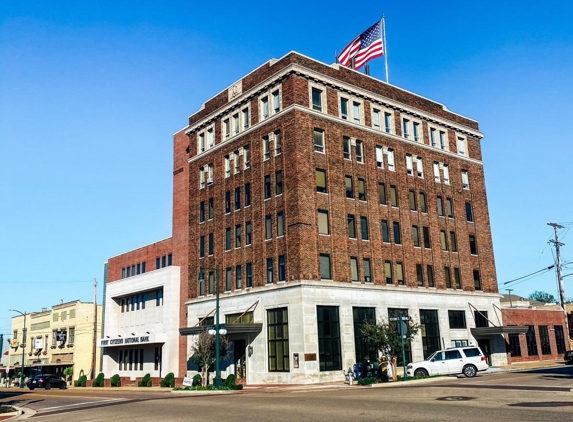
217	381
23	342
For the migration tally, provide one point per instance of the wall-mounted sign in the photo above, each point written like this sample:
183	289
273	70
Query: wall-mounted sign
14	343
38	343
122	341
61	335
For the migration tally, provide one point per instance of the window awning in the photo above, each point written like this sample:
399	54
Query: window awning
487	332
231	329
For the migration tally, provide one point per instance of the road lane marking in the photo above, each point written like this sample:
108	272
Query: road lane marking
78	404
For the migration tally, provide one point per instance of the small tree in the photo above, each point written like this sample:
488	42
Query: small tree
203	352
542	297
385	336
68	372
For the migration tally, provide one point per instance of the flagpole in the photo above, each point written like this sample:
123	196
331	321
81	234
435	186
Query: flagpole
385	46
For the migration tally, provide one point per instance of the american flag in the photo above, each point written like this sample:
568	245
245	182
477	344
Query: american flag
365	47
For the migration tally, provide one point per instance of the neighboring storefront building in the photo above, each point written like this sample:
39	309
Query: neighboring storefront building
54	339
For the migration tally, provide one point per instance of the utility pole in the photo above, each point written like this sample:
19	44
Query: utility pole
509	294
95	332
557	245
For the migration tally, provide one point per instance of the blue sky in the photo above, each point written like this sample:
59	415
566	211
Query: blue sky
92	91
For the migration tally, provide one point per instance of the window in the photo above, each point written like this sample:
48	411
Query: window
440	204
344	108
247	152
400	273
390	158
393	196
249	274
159	298
419	275
473	245
446	170
316	99
236	124
481	319
325	267
266	147
267	186
430	273
278	143
211	244
349	187
448	277
457	278
264	107
376	119
282	268
237	199
201	143
276	101
469	212
359	151
397	235
351	226
387	122
379	157
409	165
202	212
71	335
270	270
268	227
227	202
318	140
423	206
443	240
453	242
457	319
430	331
382	193
514	346
228	279
321	181
228	239
419	167
361	315
544	340
367	270
329	352
278	340
238	236
388	272
248	233
280	224
416	236
385	232
356	111
405	128
433	137
202	247
531	341
465	179
279	183
461	146
323	227
443	141
210	138
354	269
450	207
211	209
238	277
247	194
227	166
364	228
412	199
361	190
436	172
416	130
202	286
477	280
346	152
559	338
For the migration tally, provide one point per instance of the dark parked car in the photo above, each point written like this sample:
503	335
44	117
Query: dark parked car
568	356
46	381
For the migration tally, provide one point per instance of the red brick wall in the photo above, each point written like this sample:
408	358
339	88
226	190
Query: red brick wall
535	317
146	253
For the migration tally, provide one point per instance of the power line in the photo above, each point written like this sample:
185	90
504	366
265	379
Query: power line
528	275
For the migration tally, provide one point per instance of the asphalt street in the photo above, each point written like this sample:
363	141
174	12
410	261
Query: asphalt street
536	395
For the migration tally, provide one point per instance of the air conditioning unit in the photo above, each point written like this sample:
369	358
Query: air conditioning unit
241	151
353	142
209	180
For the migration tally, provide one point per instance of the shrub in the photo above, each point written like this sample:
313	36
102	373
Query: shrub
115	381
230	381
98	382
145	381
169	380
197	380
367	381
81	381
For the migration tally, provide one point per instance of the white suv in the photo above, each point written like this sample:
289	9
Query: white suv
457	360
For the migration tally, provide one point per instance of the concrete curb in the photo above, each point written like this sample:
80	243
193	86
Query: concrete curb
19	414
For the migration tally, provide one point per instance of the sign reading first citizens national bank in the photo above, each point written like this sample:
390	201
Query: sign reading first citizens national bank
121	341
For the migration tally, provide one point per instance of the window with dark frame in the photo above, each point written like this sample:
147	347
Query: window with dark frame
329	350
531	341
544	339
278	340
514	346
457	319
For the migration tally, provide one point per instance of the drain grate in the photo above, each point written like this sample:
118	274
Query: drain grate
455	398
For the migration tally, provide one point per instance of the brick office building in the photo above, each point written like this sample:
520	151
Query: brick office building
324	197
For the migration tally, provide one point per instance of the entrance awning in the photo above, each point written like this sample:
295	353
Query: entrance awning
231	329
487	332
